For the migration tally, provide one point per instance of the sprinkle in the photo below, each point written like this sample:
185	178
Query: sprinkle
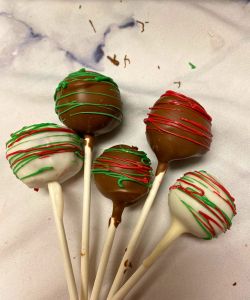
126	59
178	82
114	60
192	65
92	25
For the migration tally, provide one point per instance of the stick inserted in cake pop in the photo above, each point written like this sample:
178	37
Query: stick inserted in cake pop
90	104
178	127
122	174
199	205
47	154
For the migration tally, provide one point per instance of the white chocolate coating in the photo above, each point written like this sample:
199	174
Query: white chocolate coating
201	204
46	153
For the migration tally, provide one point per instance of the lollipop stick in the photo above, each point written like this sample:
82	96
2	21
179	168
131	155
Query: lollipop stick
175	230
85	216
55	192
126	260
104	260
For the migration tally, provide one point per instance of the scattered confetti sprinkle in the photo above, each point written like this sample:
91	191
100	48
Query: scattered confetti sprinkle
192	65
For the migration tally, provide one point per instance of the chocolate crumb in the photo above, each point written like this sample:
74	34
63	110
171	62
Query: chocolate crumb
80	6
142	24
124	271
126	263
114	60
234	284
92	25
158	67
36	189
74	257
178	82
130	265
126	249
126	59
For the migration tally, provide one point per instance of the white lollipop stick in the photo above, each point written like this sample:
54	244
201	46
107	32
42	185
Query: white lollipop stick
85	216
104	260
55	192
126	260
175	230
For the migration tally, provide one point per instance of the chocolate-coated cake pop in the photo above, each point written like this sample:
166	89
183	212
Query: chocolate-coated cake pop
178	127
122	174
88	102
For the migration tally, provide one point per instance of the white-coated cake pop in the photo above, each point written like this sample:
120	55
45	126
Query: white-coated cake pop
43	153
201	204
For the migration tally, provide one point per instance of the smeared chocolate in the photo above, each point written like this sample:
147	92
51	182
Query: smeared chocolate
89	103
178	127
122	174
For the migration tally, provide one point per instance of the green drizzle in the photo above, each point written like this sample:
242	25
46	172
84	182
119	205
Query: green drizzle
87	76
20	158
130	170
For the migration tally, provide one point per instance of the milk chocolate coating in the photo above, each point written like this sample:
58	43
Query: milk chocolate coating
178	127
89	103
122	174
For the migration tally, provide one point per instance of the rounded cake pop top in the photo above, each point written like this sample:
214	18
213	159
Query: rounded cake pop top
124	175
88	102
202	204
43	153
178	127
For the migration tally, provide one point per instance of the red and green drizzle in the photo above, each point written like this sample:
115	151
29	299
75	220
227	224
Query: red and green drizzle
20	158
87	76
158	122
124	169
206	222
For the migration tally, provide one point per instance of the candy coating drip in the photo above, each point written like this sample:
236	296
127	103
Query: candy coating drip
32	152
209	204
88	102
178	127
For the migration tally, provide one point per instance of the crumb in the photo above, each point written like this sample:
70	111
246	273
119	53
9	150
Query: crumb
124	271
126	263
114	60
36	189
92	25
192	65
234	284
80	6
142	24
130	265
126	249
49	219
126	59
178	82
74	257
246	245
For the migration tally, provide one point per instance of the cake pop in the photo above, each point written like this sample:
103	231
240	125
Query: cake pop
177	127
122	174
90	104
199	205
48	154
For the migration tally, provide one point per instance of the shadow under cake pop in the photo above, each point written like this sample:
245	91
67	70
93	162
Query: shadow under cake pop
122	174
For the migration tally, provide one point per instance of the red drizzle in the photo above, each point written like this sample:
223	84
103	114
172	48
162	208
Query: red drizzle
158	122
